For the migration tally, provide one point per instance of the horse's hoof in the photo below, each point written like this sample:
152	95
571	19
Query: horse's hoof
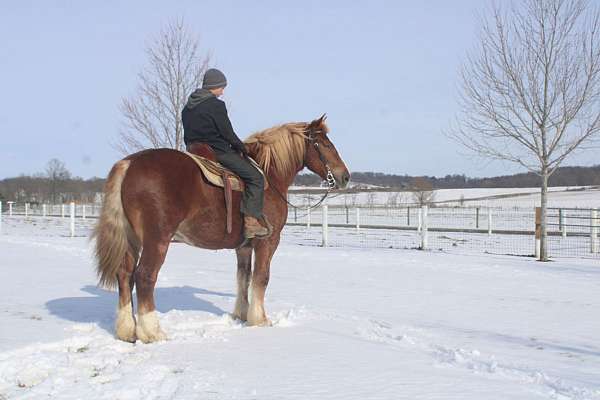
262	323
148	329
129	338
238	317
147	337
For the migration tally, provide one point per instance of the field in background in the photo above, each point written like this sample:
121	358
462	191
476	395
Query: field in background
573	197
471	220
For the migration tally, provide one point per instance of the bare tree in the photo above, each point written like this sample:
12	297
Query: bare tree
57	174
423	193
152	116
530	92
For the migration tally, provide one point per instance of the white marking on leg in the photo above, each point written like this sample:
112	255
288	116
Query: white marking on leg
241	301
125	323
148	329
241	308
256	311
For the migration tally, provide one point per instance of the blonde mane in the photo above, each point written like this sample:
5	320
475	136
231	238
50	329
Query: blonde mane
281	147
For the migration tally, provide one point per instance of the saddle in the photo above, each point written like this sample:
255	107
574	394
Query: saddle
216	174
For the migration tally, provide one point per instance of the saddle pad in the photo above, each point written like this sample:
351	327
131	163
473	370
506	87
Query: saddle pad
214	172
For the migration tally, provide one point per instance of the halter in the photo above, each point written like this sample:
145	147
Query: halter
329	178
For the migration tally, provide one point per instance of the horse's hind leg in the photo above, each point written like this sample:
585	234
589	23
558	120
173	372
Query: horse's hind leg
244	271
125	323
153	255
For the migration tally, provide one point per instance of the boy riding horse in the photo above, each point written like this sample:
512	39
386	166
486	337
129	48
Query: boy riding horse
205	121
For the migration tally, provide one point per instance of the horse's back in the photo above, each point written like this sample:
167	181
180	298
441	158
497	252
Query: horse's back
160	184
165	191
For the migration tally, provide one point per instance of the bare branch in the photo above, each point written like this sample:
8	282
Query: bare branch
151	116
530	94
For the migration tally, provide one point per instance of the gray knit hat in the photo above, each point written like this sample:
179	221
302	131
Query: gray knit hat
213	79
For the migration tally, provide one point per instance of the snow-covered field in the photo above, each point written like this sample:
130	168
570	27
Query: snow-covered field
578	196
347	324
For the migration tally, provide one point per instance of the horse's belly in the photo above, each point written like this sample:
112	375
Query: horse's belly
208	235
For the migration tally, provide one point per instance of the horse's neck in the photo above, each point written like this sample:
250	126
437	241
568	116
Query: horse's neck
282	182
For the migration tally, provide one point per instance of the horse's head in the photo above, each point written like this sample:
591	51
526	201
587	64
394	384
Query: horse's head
321	156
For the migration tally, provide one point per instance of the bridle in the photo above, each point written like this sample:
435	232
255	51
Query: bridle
312	140
329	178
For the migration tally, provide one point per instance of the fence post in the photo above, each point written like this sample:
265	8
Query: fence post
407	216
561	223
62	210
489	221
295	214
308	218
10	203
423	223
477	218
26	209
357	218
538	231
43	210
72	219
83	211
324	225
420	222
347	216
594	230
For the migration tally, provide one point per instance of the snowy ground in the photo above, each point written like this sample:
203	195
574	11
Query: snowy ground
348	324
577	196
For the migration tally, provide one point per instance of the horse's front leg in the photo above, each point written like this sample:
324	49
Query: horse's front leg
260	279
244	272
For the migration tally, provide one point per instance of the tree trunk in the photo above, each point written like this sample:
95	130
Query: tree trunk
544	227
178	137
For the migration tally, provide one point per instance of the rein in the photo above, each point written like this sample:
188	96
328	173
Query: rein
329	178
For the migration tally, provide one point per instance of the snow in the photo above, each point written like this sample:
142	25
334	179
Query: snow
347	324
576	196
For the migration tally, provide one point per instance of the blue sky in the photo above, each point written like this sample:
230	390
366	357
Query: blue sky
385	72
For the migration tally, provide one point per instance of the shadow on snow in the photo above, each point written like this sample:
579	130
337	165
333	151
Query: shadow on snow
100	308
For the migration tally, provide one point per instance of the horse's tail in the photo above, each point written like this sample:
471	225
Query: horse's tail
114	236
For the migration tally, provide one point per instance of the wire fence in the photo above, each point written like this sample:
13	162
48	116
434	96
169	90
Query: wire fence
572	232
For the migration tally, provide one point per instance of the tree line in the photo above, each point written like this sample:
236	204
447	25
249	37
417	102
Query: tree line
57	185
564	176
53	186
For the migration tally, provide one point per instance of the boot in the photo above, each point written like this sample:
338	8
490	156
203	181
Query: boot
253	228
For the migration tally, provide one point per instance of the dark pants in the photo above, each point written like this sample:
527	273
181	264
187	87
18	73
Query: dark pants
252	200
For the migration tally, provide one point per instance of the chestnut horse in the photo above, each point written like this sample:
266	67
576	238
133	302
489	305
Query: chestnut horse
155	195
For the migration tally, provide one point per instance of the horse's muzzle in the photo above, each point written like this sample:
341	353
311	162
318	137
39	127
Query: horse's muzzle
342	179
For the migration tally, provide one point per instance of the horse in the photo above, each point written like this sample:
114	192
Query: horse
154	195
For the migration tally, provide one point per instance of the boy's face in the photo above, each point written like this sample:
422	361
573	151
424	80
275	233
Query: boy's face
218	91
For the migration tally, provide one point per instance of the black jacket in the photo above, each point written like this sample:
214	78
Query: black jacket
205	120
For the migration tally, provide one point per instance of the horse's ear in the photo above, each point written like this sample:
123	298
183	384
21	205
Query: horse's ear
317	123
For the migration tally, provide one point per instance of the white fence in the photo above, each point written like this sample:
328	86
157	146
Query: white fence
572	231
69	211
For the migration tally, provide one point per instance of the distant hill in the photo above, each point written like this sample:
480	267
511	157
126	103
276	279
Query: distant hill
565	176
37	188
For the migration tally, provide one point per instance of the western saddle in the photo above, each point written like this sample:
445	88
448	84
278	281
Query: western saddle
217	174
